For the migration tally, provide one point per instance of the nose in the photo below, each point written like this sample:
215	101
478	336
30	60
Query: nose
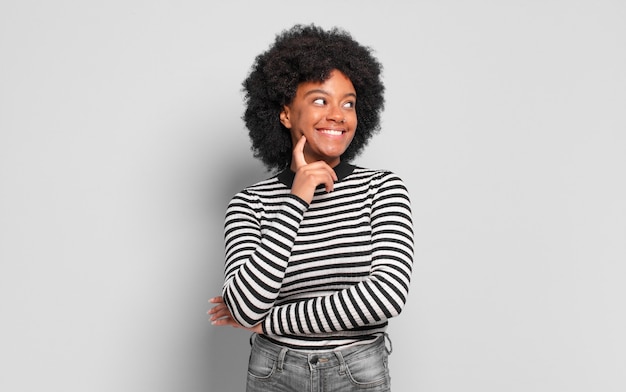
336	114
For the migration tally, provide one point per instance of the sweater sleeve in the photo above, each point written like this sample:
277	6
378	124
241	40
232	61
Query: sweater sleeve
256	256
381	295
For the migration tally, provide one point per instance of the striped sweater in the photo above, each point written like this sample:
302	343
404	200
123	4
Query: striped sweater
325	275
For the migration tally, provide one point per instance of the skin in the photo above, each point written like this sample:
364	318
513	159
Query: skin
317	108
322	121
220	315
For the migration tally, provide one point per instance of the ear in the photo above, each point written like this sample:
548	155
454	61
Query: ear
284	117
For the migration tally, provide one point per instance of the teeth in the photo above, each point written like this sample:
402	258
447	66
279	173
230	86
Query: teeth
331	132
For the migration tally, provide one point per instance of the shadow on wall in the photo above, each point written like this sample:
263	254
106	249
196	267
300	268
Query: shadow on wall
229	347
228	359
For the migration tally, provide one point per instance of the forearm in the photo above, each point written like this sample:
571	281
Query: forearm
376	298
370	302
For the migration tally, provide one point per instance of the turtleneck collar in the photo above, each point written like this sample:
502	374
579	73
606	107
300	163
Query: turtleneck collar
343	169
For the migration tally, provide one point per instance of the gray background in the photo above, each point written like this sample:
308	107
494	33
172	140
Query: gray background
121	143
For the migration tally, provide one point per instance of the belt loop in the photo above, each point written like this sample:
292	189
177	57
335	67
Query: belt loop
388	339
252	339
342	363
281	359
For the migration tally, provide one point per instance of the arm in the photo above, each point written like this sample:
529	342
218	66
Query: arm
374	300
256	257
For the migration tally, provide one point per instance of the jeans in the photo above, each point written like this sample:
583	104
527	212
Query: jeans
274	368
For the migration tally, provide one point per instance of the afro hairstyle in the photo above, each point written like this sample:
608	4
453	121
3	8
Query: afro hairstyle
308	53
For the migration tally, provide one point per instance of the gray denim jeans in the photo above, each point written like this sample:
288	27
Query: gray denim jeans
276	368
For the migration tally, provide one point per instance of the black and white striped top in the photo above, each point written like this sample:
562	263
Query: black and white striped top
325	275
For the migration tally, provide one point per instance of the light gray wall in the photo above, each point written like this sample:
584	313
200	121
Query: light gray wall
121	143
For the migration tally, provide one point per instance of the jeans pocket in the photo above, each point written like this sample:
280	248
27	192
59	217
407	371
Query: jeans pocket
260	366
370	370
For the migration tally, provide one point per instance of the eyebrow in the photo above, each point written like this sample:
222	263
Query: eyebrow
322	91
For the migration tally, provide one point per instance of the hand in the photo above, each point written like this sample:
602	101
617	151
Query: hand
310	175
221	316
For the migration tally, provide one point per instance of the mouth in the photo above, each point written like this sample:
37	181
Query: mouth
332	132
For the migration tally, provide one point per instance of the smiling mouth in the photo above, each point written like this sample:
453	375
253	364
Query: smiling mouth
333	132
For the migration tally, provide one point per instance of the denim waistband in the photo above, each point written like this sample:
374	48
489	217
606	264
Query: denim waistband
318	358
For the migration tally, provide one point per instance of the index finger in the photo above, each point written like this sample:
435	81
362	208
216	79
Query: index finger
298	153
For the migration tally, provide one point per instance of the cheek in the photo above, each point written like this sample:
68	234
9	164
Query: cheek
307	117
353	123
351	138
352	117
316	116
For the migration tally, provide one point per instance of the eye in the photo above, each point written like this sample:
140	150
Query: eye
349	104
319	101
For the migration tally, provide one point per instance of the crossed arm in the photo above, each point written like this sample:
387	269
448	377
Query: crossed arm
249	303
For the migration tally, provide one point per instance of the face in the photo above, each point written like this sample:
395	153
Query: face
325	114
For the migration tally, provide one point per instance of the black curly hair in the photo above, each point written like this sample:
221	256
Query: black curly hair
308	53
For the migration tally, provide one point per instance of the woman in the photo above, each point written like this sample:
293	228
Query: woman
319	256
